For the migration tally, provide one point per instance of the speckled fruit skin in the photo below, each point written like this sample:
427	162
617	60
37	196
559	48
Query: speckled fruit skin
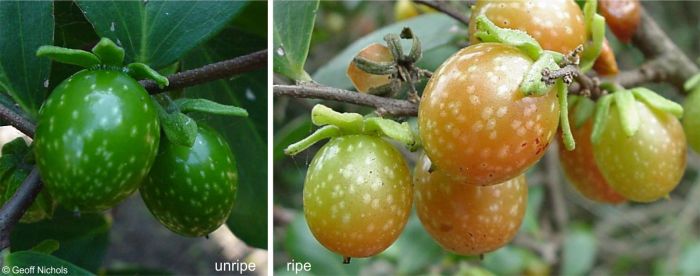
192	190
474	121
468	219
556	24
96	139
364	81
357	195
581	169
648	165
691	119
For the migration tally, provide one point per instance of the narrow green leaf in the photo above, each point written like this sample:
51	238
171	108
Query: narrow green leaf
108	52
627	109
400	132
566	135
46	246
324	132
348	122
601	116
68	56
486	31
592	49
292	29
533	85
27	259
141	71
207	106
692	83
579	252
24	26
158	33
178	127
289	133
585	108
657	102
76	235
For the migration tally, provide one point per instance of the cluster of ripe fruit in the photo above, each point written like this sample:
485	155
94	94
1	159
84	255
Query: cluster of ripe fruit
480	133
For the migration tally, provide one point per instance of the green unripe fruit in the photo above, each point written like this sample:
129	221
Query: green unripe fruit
191	190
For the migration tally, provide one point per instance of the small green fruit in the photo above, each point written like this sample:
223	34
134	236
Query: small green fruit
191	190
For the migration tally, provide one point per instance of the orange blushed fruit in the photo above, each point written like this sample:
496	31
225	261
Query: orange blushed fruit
468	219
474	121
556	24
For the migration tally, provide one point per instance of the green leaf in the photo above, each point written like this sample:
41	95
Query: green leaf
245	135
108	52
76	235
179	128
486	31
348	122
333	73
290	133
293	25
325	132
134	270
601	116
141	71
627	109
579	252
303	247
207	106
415	249
688	264
692	83
24	27
158	33
73	31
657	102
507	260
566	136
68	56
28	259
47	246
592	49
583	111
533	85
400	132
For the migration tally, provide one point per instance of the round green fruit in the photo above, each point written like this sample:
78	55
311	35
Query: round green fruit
96	139
648	165
357	195
191	190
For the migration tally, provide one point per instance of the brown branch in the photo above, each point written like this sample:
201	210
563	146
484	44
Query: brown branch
210	72
388	106
14	208
12	211
17	120
444	8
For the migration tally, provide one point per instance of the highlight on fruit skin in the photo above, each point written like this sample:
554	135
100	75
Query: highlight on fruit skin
363	81
357	195
464	218
556	24
474	121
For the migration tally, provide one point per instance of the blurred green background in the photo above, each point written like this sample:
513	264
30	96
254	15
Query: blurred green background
660	238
